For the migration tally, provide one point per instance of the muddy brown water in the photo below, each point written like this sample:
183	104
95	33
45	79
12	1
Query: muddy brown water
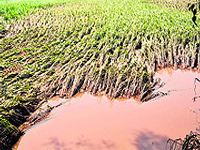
87	122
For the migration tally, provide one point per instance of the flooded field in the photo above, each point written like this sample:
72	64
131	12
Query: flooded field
87	122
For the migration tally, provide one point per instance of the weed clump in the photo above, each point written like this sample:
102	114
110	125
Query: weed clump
190	142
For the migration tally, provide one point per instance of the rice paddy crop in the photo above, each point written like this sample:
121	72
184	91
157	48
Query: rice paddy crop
173	4
10	9
103	47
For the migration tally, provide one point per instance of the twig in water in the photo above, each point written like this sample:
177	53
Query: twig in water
196	79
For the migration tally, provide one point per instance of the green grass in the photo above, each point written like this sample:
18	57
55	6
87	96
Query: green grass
108	47
10	9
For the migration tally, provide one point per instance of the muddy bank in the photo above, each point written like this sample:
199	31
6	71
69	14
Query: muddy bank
88	122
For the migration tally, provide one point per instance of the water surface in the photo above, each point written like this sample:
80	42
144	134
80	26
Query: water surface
87	122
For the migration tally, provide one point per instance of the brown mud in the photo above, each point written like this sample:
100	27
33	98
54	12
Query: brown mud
88	122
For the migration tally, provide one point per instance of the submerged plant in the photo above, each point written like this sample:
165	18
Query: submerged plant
190	142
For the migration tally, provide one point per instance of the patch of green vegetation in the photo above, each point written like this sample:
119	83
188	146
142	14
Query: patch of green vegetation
8	131
174	4
10	9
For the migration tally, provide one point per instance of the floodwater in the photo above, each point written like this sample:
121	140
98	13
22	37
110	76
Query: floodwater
87	122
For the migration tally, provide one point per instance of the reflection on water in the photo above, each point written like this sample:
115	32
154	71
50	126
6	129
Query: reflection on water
87	122
150	141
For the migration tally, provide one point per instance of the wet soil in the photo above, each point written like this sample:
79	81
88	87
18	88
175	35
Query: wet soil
88	122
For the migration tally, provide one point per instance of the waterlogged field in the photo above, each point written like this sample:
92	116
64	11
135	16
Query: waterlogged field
88	122
104	47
